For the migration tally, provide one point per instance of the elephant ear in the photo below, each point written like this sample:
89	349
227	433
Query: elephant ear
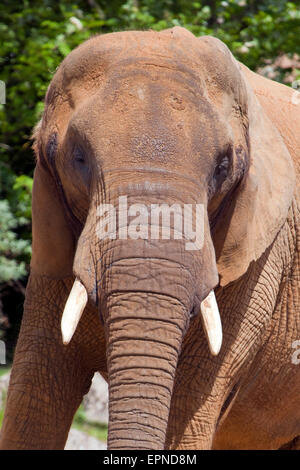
53	244
261	203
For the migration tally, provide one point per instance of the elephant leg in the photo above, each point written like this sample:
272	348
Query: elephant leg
48	379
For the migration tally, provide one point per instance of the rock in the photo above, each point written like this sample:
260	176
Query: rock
79	440
95	403
4	380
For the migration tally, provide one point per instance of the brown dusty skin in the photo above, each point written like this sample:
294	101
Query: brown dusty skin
163	117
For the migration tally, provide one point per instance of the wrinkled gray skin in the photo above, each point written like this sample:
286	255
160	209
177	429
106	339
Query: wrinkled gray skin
163	117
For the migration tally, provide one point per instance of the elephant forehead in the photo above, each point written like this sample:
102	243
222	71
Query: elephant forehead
97	55
147	95
86	68
142	90
170	72
154	120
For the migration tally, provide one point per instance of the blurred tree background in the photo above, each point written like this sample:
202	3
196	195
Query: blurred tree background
34	38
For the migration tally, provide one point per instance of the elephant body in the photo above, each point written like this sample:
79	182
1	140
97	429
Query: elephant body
148	114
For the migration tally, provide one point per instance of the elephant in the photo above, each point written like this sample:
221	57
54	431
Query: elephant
196	344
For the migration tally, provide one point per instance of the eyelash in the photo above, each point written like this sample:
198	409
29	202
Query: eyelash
222	167
78	156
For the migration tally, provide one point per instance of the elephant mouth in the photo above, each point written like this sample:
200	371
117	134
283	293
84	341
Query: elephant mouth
78	298
229	402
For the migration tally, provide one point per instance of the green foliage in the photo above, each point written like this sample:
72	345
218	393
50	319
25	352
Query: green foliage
36	35
15	210
11	248
4	370
80	422
3	394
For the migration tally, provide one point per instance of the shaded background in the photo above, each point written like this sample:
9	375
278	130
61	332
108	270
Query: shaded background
34	38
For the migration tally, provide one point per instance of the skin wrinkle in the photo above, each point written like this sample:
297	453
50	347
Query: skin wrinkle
156	417
147	431
111	321
125	260
162	109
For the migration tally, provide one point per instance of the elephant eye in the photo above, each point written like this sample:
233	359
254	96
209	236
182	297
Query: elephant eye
223	167
79	156
221	170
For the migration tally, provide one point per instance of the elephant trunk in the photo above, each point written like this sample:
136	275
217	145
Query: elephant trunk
145	290
144	335
145	304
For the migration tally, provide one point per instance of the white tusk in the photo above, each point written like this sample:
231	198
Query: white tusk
211	322
74	307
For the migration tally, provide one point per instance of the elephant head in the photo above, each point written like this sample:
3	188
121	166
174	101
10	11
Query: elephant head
156	118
